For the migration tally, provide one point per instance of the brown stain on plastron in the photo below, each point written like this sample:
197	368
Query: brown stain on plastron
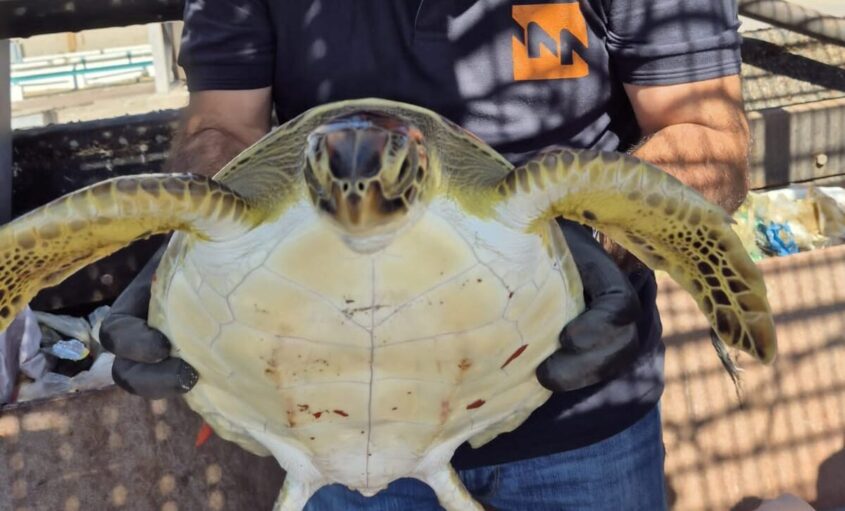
515	354
478	403
317	414
272	370
444	411
464	364
341	413
350	311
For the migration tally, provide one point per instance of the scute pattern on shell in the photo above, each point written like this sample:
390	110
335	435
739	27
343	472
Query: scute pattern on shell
364	368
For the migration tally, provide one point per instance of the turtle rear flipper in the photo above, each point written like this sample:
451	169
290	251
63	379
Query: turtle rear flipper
294	495
45	246
450	490
664	223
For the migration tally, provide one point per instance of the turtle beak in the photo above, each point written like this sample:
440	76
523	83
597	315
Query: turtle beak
364	209
364	172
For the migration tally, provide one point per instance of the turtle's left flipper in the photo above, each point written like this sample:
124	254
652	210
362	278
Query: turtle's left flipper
666	224
45	246
294	495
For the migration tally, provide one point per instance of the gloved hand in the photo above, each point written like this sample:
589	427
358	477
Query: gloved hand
601	341
143	365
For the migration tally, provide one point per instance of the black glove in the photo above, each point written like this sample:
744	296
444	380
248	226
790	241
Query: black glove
143	365
602	340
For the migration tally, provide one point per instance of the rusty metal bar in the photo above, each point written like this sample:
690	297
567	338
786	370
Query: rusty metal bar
25	18
799	19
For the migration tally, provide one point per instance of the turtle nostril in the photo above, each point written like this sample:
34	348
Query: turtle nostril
404	171
345	187
361	186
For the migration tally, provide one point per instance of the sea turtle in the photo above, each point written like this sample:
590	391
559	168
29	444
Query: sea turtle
369	285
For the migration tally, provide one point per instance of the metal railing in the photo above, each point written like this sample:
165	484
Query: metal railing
810	22
26	18
75	71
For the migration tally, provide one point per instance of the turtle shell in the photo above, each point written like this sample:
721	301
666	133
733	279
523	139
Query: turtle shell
364	368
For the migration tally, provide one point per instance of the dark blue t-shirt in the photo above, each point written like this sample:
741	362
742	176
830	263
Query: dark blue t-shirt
522	75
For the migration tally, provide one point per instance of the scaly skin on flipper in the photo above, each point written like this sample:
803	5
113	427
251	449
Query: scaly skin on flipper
45	246
666	224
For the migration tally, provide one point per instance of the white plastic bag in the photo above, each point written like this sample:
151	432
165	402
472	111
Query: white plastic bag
20	352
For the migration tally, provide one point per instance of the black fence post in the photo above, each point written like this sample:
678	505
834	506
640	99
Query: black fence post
5	132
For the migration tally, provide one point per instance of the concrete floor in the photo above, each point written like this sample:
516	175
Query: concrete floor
788	433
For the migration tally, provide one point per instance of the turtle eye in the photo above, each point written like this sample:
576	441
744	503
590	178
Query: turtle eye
311	179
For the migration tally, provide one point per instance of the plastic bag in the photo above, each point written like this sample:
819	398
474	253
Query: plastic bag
788	220
20	352
54	384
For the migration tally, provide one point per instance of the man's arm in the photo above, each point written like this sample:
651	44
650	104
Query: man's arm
698	133
217	126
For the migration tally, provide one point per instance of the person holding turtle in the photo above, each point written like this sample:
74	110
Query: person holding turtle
658	78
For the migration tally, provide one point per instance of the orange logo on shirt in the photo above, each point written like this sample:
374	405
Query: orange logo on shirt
551	34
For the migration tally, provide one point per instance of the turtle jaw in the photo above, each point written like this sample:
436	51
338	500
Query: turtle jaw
367	221
367	175
364	210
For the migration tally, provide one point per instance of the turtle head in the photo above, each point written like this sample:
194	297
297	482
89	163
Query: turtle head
369	174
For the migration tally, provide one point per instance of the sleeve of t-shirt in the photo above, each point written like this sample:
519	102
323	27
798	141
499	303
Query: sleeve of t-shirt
227	45
660	42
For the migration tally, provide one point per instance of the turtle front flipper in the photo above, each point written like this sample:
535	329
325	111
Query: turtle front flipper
45	246
666	224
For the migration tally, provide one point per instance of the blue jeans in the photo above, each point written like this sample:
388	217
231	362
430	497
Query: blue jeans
623	472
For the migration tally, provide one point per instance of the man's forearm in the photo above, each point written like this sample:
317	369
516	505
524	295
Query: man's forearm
714	162
217	126
203	152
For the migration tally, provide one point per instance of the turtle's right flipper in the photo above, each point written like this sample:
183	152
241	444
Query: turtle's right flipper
45	246
666	224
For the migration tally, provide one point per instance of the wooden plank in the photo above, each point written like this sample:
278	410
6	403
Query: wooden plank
797	143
